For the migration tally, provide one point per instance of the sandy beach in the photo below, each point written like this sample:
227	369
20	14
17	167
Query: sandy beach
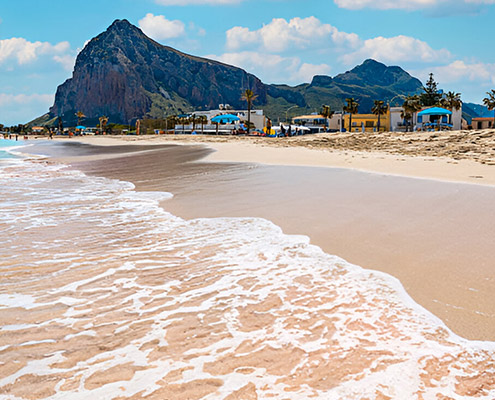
272	272
424	219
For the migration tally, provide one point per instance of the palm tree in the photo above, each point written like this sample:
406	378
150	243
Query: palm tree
249	96
327	113
80	115
451	101
193	119
183	120
411	105
103	122
379	108
489	102
173	120
351	108
202	119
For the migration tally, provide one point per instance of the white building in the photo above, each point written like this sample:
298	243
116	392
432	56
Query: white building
257	117
397	123
317	123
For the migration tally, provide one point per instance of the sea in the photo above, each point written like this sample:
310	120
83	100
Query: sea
106	295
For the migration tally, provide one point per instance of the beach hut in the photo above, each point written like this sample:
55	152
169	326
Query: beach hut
434	117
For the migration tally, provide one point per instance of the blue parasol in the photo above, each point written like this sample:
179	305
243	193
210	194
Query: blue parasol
80	127
225	119
435	111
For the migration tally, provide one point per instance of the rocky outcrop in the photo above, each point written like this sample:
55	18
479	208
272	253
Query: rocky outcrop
126	75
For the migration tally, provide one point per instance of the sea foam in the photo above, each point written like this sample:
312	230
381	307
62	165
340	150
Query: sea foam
110	296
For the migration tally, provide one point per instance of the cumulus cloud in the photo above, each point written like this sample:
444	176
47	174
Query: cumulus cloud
160	28
396	49
460	71
196	2
22	51
272	67
280	35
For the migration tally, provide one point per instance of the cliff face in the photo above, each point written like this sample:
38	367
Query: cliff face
124	75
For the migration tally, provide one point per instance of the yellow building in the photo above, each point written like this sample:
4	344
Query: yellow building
368	122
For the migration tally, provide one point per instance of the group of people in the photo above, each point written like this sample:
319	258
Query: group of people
9	136
289	132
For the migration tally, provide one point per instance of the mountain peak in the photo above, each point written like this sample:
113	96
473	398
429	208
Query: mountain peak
375	73
372	62
120	24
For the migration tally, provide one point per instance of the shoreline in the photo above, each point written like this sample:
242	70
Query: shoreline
376	221
276	152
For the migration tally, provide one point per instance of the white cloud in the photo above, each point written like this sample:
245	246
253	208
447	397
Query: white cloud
22	108
273	68
404	4
460	71
396	49
386	4
67	61
471	78
23	51
160	28
17	99
196	2
280	35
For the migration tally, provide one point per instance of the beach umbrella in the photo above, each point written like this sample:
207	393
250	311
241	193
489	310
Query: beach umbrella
435	111
80	127
225	119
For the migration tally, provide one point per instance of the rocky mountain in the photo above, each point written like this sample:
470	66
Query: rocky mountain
125	75
367	82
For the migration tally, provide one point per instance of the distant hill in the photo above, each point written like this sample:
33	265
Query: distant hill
365	83
472	110
125	75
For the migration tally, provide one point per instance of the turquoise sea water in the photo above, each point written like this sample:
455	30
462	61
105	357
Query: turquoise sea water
6	146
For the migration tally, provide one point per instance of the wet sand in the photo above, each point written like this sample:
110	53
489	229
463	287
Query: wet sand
435	237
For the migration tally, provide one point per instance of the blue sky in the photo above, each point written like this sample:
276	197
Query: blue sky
280	41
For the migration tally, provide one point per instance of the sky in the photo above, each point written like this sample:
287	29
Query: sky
280	41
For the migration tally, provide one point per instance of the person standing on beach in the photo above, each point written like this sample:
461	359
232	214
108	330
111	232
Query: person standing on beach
268	126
